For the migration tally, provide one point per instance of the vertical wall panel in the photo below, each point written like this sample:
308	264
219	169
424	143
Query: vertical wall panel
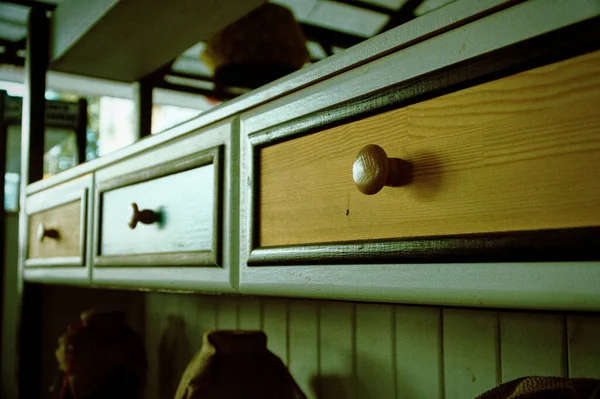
471	352
227	313
419	361
304	345
173	348
275	325
353	350
584	346
375	358
531	345
203	318
336	343
250	313
155	324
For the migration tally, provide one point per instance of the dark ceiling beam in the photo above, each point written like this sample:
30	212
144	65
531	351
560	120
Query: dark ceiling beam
32	3
220	95
10	59
328	37
366	6
403	15
10	54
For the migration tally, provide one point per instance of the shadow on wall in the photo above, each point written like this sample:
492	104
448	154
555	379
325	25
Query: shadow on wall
332	386
174	353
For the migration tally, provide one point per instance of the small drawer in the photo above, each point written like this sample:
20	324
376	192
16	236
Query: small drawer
57	225
509	164
168	214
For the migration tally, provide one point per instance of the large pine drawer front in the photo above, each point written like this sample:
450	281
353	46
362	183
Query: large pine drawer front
176	220
521	153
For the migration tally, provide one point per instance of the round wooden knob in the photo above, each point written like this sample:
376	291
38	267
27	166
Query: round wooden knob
43	232
145	216
372	170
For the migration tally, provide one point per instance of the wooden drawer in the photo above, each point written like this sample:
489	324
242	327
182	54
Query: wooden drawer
177	221
497	171
57	225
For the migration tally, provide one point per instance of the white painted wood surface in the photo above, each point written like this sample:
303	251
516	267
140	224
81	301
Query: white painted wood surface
471	352
584	346
419	356
207	279
538	338
186	199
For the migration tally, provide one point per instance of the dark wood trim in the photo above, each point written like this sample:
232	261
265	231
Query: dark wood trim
174	259
3	160
223	96
365	5
34	101
58	113
577	244
188	162
551	245
30	341
143	99
210	258
81	122
332	37
27	362
542	50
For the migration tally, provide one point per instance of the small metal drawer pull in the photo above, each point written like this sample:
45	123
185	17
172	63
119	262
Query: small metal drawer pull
43	232
372	170
145	216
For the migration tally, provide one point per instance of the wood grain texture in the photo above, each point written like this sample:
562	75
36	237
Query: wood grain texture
184	199
303	360
375	359
336	350
471	353
532	345
584	346
419	358
518	153
66	219
453	15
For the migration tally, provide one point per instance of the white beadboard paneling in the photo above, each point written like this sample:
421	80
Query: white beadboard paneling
156	312
203	318
419	361
227	313
336	351
250	313
275	325
303	354
352	350
173	348
471	350
375	358
532	345
584	346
